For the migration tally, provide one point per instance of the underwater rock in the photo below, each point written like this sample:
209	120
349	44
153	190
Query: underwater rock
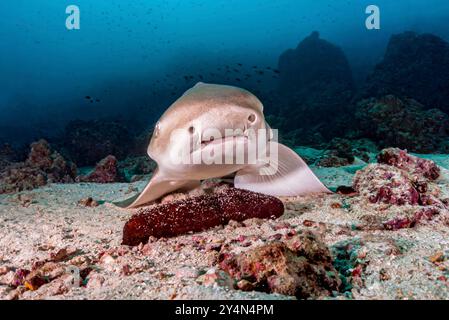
43	166
414	66
216	277
316	80
400	191
134	168
199	213
57	169
106	171
415	165
339	153
87	142
88	202
393	122
385	184
342	152
299	266
51	276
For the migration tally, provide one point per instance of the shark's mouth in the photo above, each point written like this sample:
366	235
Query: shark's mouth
221	141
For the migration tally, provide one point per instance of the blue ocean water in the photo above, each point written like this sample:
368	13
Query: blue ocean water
130	60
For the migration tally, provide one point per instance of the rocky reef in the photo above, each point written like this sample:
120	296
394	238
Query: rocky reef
136	168
317	86
403	123
42	166
342	152
403	103
87	142
414	66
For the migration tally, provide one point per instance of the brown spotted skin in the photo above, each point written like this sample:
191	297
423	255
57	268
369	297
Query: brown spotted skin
198	214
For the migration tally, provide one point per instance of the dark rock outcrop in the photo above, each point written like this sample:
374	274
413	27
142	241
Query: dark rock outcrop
316	83
415	66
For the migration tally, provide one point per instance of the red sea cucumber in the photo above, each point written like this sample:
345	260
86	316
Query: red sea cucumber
199	213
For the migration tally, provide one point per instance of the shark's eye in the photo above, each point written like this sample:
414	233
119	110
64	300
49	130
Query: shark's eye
192	130
252	117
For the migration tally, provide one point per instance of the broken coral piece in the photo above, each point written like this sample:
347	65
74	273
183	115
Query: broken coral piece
300	266
42	166
106	171
400	190
415	165
199	213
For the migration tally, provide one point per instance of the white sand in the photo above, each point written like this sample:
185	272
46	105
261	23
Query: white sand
36	223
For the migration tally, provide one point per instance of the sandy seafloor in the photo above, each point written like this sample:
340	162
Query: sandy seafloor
34	224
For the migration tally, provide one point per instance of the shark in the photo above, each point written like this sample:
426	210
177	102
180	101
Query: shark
211	117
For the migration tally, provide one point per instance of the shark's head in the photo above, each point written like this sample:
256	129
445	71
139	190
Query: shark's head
211	117
205	116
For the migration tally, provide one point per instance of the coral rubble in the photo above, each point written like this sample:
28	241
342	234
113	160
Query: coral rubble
50	276
106	171
401	190
300	266
42	166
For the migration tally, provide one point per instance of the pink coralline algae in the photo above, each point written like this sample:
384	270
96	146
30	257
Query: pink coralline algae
402	160
299	266
199	213
401	188
42	166
106	171
48	275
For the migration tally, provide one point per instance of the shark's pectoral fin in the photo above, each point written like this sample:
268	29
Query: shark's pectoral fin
288	175
155	189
